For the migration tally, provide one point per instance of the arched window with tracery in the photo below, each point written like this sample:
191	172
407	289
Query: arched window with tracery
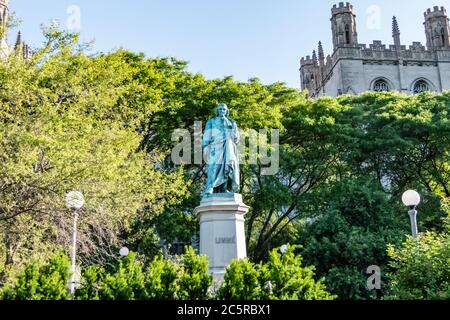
381	86
421	86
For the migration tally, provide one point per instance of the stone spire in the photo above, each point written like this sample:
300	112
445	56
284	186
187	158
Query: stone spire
396	34
18	41
321	55
395	28
314	57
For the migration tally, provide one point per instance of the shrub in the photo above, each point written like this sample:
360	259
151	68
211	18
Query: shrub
127	283
41	280
161	280
281	278
92	278
241	282
421	269
195	279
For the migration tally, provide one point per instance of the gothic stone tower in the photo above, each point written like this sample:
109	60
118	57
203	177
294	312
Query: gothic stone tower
437	28
4	12
4	15
310	73
343	26
354	68
20	48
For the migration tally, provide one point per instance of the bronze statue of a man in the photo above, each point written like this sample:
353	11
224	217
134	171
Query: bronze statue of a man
220	150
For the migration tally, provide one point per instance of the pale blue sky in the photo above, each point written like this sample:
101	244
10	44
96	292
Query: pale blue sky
242	38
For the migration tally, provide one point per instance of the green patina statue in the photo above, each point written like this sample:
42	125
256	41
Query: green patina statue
220	151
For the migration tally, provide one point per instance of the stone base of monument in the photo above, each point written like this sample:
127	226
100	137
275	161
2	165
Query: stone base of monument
222	230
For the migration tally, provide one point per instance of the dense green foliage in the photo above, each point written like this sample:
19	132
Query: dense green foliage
40	281
73	122
241	282
421	269
349	234
282	278
195	279
186	278
129	279
102	124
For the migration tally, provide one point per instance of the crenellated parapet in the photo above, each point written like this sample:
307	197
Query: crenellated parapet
377	52
436	12
307	61
342	8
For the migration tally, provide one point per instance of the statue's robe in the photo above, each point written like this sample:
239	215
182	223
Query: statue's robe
221	154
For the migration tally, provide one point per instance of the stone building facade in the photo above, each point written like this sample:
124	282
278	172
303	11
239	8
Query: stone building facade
20	46
355	68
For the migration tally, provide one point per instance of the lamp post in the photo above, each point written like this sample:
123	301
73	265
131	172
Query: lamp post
411	200
75	201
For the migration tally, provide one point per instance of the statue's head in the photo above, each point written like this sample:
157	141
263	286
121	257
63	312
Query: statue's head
222	110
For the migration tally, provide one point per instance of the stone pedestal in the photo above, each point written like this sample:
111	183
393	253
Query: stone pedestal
222	230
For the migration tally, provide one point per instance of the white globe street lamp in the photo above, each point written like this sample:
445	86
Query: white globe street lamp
124	252
284	249
411	199
75	201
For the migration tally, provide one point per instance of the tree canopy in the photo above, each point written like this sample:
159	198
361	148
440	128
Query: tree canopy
103	124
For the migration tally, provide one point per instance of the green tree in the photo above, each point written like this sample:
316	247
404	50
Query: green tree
282	278
41	281
69	121
195	279
127	283
162	279
290	280
241	282
186	278
354	222
91	285
421	269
